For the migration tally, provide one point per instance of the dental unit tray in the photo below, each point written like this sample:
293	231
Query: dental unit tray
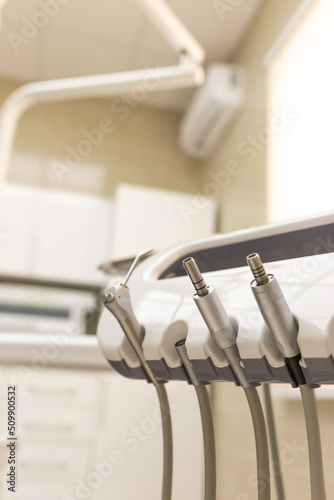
300	254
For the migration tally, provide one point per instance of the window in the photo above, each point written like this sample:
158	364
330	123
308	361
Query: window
301	90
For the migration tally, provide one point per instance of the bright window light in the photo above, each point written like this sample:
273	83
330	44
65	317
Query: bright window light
301	87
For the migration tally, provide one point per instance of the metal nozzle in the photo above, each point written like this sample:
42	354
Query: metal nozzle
134	264
255	263
107	298
196	277
183	355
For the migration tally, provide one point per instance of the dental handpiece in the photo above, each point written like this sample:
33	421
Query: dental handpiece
118	301
277	316
217	320
224	333
284	330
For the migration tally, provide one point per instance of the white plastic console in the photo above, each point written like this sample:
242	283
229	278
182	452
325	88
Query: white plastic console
299	253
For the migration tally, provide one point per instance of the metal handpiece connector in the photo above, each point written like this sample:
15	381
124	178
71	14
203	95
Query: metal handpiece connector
222	329
274	308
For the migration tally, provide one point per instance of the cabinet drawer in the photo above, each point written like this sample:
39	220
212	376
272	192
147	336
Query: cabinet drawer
62	386
71	424
41	463
37	491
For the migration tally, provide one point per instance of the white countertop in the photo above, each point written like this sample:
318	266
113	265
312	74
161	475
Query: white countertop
53	350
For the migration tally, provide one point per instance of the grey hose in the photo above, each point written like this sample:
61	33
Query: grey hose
262	453
314	443
273	442
167	442
209	442
117	301
167	480
207	422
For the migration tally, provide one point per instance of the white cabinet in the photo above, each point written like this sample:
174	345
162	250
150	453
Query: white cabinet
56	423
130	441
147	217
54	235
73	236
96	435
18	211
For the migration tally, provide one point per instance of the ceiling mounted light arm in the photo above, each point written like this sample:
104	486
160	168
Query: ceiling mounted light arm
189	73
174	31
150	80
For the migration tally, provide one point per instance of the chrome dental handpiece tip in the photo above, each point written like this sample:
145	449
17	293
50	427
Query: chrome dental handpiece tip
255	263
195	275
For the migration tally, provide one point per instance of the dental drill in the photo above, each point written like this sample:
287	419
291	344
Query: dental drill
118	301
224	333
284	331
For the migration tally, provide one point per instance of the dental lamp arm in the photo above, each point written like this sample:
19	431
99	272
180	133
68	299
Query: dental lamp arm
174	31
26	96
188	73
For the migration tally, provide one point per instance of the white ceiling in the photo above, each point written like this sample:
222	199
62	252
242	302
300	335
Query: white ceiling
101	36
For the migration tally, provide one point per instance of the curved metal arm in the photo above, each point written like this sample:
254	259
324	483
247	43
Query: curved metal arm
166	78
174	31
188	73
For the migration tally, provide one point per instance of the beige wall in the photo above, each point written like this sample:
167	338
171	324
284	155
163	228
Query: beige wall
139	146
243	201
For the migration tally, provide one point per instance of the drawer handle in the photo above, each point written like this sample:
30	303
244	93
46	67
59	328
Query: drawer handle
54	466
60	390
48	426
